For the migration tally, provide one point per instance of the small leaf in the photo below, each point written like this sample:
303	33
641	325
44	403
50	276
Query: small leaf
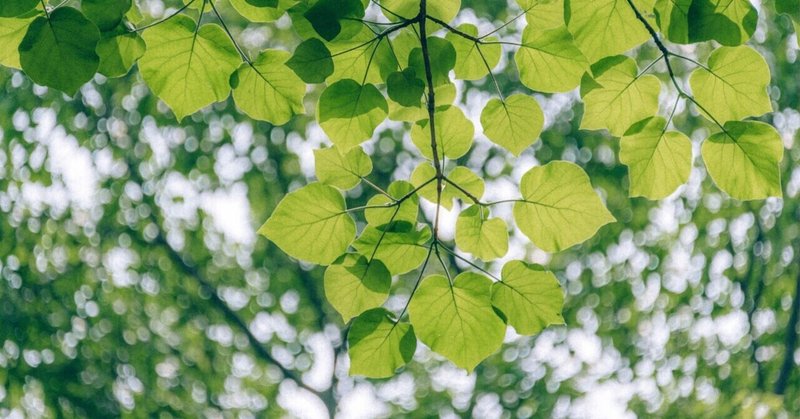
400	246
729	22
602	28
361	54
12	30
311	61
744	160
262	11
343	171
514	124
659	161
355	284
106	14
457	321
460	175
529	296
325	15
349	112
66	38
735	84
474	61
405	88
454	133
407	211
549	61
268	90
442	59
486	238
559	208
186	68
379	345
617	97
311	224
14	8
118	53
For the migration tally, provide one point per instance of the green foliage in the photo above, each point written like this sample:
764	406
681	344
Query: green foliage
410	53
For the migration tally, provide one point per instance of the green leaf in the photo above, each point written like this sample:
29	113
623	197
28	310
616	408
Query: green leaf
457	321
559	208
734	86
729	22
325	15
12	30
442	59
543	14
311	61
400	246
187	68
268	90
602	28
379	345
343	171
311	224
361	57
744	160
473	61
486	238
106	14
672	16
463	177
405	88
454	133
14	8
789	7
349	112
514	124
617	97
659	161
258	11
354	284
67	38
529	296
119	53
444	10
407	211
549	61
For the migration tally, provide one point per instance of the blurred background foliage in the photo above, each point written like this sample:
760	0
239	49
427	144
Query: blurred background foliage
132	282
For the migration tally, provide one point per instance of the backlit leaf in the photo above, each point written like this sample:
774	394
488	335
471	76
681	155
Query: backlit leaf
349	112
602	28
343	171
514	123
486	238
529	296
355	284
268	90
454	133
549	61
402	247
379	345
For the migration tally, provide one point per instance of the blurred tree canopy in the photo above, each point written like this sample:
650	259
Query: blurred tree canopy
132	282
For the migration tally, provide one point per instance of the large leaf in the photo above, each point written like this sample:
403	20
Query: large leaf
342	170
543	14
602	28
559	208
311	224
743	160
13	8
473	61
268	90
187	68
59	51
442	56
457	320
454	133
12	30
549	61
379	345
514	123
106	14
355	284
399	245
262	11
405	87
349	112
327	16
672	16
444	10
618	96
734	84
486	238
659	161
529	296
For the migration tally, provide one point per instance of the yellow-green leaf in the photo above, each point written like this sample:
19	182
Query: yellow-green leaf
514	123
268	90
486	238
529	296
